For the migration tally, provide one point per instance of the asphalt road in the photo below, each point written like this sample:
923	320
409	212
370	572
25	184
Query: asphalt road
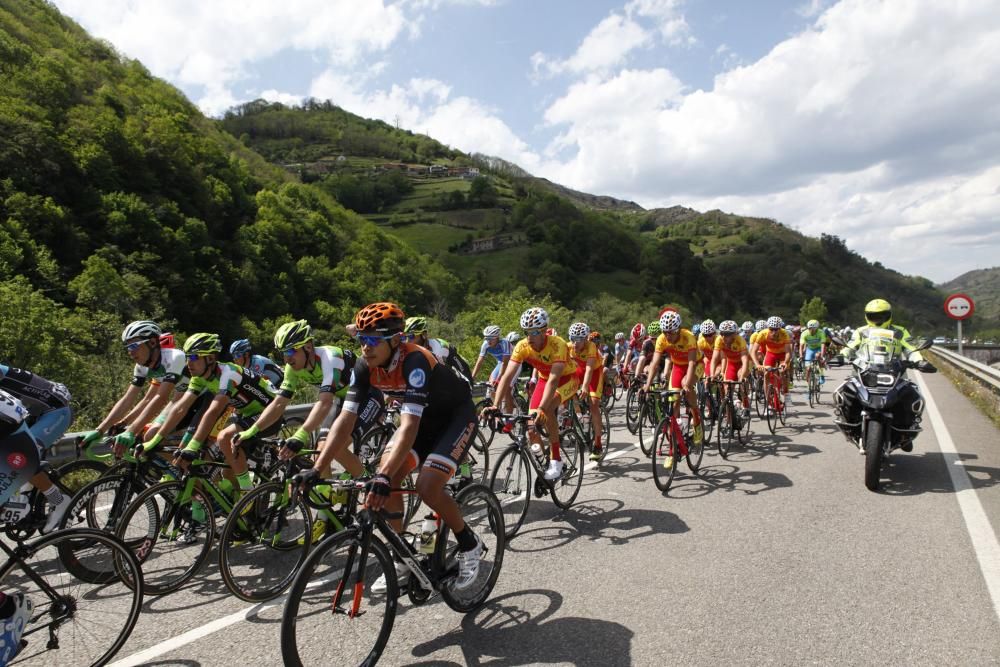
778	555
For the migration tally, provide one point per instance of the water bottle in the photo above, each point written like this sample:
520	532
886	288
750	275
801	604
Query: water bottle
538	453
428	534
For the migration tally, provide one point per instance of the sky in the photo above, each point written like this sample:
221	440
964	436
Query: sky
875	120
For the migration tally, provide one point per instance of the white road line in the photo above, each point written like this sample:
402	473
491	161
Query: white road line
984	539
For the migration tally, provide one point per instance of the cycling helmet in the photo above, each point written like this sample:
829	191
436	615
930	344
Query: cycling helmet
708	328
292	334
203	343
513	337
878	313
670	321
620	336
812	324
654	328
167	341
12	413
638	331
415	325
534	318
774	322
492	331
383	317
696	329
578	331
747	327
239	347
760	325
594	336
141	329
728	327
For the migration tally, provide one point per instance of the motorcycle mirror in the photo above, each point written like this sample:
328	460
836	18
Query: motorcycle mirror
838	341
926	344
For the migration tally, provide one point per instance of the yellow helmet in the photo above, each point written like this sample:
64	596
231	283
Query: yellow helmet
878	313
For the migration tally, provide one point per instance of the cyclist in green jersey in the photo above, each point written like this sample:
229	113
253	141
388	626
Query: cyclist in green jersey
415	330
812	347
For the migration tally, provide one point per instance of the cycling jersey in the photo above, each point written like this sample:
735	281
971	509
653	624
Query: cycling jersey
582	357
734	350
327	372
813	341
20	460
775	344
266	368
707	345
172	368
502	349
554	351
620	350
248	392
425	387
680	349
47	403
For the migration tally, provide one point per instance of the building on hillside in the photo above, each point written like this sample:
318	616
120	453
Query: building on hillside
437	170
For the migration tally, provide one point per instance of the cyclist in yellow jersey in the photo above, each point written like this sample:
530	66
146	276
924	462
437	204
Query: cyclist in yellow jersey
557	382
590	375
683	363
706	343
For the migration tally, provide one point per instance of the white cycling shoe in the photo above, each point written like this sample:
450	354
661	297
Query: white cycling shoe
554	470
402	577
468	565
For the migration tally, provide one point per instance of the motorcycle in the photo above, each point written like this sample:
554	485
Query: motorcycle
877	391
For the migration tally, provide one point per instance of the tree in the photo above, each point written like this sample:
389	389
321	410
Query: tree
813	309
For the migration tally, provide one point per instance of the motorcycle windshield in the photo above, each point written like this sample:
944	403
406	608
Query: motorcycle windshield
879	351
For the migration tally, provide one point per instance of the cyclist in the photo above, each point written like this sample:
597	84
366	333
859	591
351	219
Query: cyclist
706	343
647	348
415	330
242	355
620	348
634	347
498	348
730	351
878	316
746	331
21	460
812	347
590	376
437	424
165	369
227	385
549	356
48	415
777	345
683	365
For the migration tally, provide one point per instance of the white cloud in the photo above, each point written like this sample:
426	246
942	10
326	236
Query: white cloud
672	25
811	8
606	46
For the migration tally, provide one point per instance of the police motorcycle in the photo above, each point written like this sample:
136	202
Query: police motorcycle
878	408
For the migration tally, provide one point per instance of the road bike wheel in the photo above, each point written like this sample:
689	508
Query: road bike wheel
89	622
77	474
696	450
482	514
510	482
745	419
632	410
727	426
770	412
618	389
783	412
647	426
484	424
605	433
362	620
160	525
759	397
565	489
663	455
709	407
264	542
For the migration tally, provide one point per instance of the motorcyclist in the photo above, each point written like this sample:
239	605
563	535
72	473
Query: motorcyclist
878	315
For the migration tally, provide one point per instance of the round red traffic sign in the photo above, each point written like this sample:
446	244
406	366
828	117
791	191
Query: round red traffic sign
959	306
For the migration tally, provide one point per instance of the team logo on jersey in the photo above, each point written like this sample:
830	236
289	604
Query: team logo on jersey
17	460
417	378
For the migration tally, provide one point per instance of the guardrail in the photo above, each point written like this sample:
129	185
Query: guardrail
985	375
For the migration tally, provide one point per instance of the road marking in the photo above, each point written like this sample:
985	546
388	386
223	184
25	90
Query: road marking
984	539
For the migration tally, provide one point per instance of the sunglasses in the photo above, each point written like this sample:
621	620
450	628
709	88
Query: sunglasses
193	357
577	339
372	341
534	332
132	347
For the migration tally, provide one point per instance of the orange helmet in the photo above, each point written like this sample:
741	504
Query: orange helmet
594	336
383	317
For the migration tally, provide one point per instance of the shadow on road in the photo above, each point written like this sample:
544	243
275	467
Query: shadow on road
516	629
727	477
913	474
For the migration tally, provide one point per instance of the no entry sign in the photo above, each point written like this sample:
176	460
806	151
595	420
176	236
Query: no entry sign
959	307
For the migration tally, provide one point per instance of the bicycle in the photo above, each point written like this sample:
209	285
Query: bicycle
483	444
734	416
815	382
511	482
773	398
708	404
650	415
673	439
71	614
332	596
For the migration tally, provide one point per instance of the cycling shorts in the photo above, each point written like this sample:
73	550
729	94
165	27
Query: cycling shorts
733	370
441	445
568	385
596	386
771	359
677	374
811	354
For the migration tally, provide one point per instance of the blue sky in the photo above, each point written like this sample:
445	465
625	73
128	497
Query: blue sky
872	119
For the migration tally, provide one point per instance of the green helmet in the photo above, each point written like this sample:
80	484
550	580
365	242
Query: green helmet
812	324
415	325
203	343
292	334
654	328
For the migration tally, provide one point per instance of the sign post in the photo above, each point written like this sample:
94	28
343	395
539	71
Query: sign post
959	307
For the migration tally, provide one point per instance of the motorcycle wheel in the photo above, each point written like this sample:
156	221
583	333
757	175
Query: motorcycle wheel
873	454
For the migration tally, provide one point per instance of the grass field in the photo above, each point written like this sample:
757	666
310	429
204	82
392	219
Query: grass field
430	238
623	284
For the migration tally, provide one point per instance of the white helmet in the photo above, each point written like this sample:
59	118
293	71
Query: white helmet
774	322
670	321
620	336
578	331
534	318
760	325
492	331
708	327
747	326
141	329
513	337
12	413
727	327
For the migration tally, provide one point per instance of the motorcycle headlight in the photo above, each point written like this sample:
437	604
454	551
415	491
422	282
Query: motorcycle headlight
870	379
